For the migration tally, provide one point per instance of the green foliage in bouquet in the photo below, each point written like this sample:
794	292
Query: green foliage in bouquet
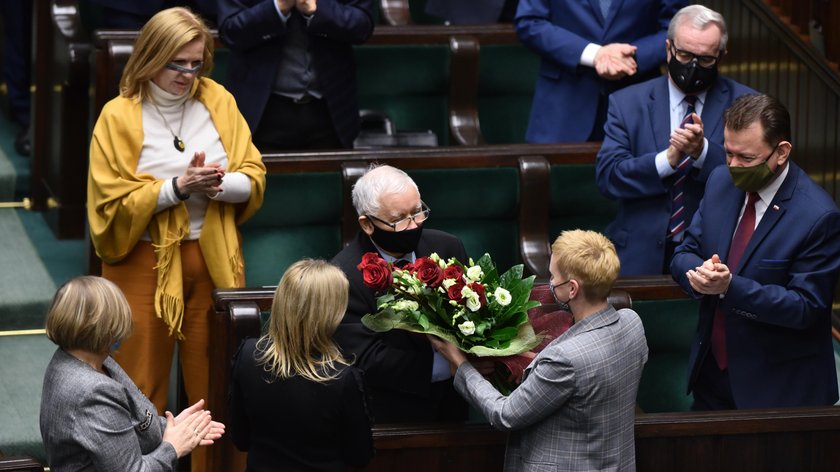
472	306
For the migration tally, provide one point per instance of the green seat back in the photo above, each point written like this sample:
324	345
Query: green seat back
300	217
506	88
669	329
220	65
576	201
409	83
478	205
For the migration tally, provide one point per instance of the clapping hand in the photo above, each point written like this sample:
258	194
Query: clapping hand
216	430
201	178
615	61
688	139
711	278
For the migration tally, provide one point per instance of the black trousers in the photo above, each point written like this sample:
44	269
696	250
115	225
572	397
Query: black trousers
288	125
712	390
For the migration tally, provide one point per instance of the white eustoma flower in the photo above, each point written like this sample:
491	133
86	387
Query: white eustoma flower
434	256
474	273
502	296
448	283
406	305
473	302
467	328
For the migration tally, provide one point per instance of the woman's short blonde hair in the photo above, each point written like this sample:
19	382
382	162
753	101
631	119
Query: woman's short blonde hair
161	38
590	258
89	313
308	306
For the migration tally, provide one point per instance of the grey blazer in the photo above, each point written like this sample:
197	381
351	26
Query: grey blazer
575	408
92	422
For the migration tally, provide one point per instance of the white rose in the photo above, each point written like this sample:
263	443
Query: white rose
502	296
467	328
474	273
473	302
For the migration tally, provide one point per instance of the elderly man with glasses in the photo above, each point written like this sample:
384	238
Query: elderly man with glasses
663	138
407	379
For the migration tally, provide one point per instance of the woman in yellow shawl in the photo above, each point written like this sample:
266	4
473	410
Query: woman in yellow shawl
173	172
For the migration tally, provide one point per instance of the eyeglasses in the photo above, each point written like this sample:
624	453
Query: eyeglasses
403	224
685	57
185	70
554	287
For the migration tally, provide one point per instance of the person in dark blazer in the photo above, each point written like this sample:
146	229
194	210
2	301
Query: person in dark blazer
93	417
763	256
639	162
575	408
408	380
586	54
296	402
292	68
469	12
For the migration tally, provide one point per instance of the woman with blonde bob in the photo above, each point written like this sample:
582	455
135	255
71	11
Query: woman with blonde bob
173	172
93	417
296	402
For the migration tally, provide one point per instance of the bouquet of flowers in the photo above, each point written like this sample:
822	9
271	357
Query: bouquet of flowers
472	306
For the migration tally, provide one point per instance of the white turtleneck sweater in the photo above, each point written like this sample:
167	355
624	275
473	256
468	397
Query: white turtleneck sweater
159	158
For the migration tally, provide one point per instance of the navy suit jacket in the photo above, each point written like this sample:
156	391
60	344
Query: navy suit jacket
254	31
778	305
566	95
638	127
397	364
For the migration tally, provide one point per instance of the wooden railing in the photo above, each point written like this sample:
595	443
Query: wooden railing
816	21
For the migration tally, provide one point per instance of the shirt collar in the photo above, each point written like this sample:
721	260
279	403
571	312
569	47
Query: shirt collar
769	192
676	96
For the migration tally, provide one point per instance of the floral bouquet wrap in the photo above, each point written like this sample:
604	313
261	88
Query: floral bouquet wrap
472	306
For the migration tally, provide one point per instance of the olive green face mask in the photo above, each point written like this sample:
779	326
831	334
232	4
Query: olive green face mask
754	178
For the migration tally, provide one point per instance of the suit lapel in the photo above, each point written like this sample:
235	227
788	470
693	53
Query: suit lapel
659	110
596	7
713	109
615	7
771	215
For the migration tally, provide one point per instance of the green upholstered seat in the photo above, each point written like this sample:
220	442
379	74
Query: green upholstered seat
409	83
478	205
506	87
576	201
669	329
301	217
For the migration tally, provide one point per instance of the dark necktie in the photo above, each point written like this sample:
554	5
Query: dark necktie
736	250
676	224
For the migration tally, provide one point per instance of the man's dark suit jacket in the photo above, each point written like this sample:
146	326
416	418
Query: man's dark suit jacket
397	364
778	305
253	30
639	127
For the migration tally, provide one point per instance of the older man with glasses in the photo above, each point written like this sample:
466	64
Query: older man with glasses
663	138
408	380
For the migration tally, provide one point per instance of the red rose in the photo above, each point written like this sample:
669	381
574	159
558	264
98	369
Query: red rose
479	289
428	272
377	276
371	258
453	271
454	292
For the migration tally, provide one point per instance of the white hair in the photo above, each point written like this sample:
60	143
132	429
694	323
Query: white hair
379	180
700	17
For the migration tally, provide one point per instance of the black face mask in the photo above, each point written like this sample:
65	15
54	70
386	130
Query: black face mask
397	242
691	77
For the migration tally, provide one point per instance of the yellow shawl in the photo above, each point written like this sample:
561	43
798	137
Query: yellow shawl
121	203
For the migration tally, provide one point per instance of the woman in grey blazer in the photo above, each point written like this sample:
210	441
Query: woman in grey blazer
93	417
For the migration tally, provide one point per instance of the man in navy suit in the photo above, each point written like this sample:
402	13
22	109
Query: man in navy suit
663	139
589	48
763	255
292	68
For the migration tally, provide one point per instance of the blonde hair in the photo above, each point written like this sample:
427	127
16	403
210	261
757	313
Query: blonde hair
89	313
161	38
308	306
590	258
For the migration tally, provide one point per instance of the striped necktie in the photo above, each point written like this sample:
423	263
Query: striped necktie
676	225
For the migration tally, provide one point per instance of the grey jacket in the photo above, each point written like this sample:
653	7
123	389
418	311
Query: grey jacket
575	408
93	422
